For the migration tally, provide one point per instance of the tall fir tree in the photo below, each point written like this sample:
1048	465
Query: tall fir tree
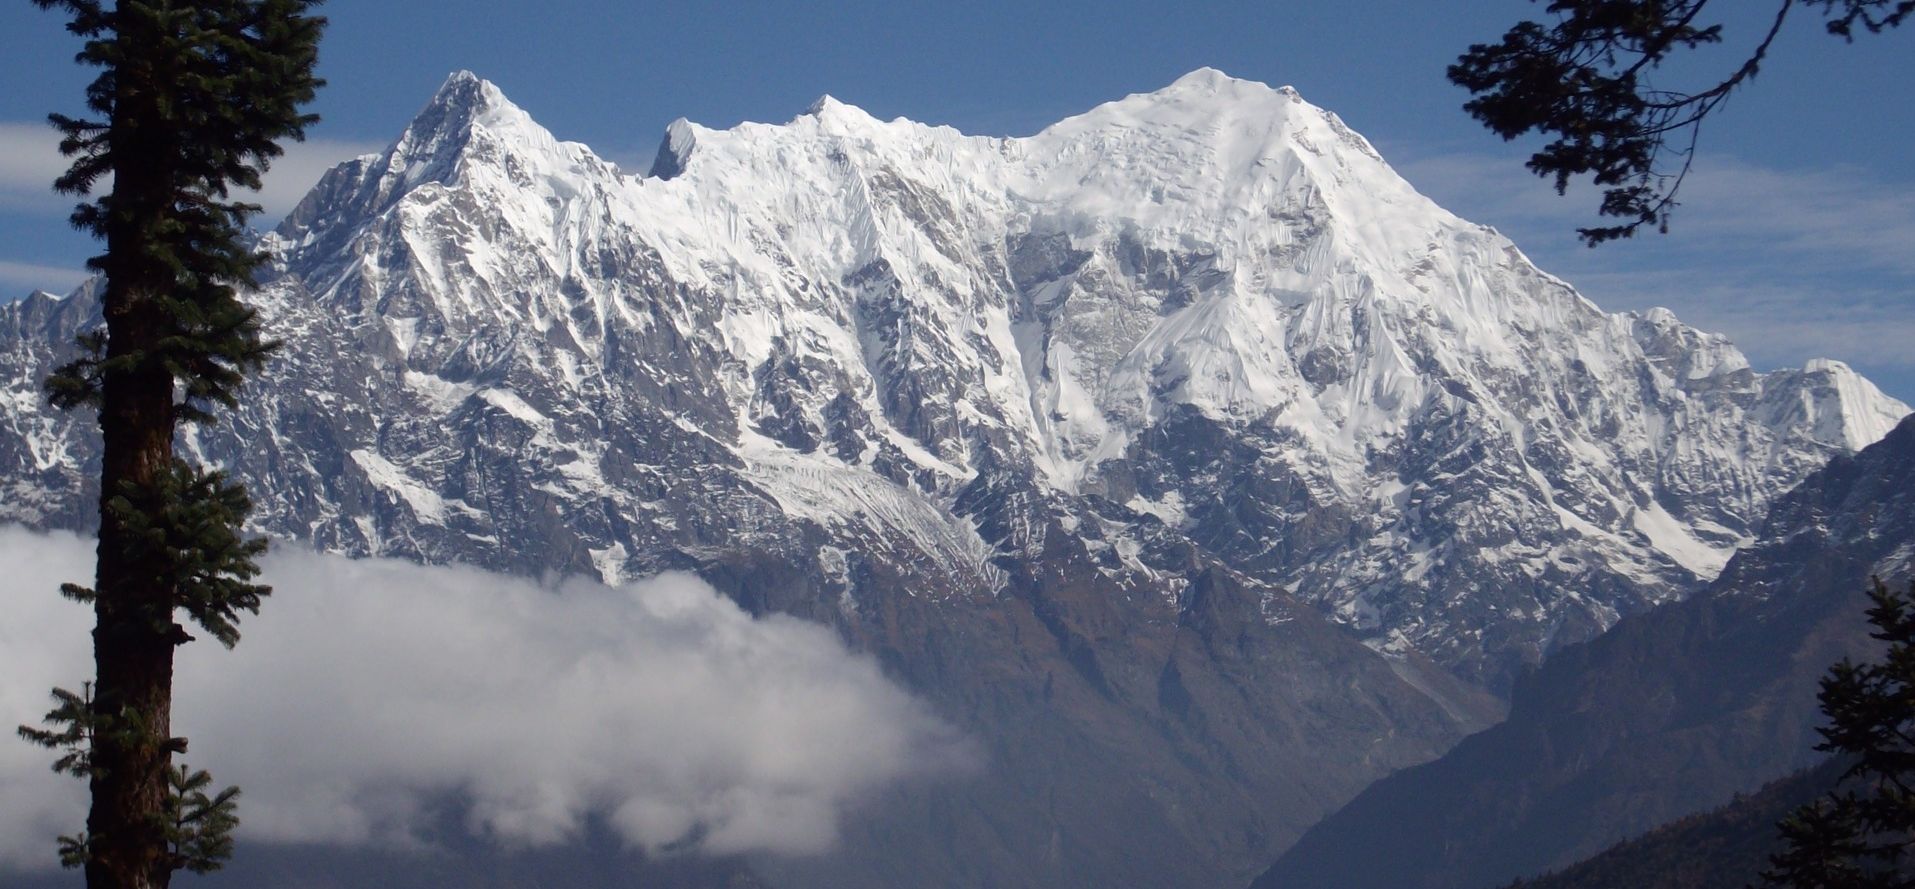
191	102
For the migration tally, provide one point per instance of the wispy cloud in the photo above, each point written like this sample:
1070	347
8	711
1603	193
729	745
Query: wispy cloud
1791	264
368	693
1839	215
20	278
30	160
295	173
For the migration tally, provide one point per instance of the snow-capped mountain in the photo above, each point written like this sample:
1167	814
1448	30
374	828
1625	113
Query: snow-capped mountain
1195	365
1393	413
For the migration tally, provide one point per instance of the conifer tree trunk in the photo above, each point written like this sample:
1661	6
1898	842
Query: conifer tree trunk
133	657
192	100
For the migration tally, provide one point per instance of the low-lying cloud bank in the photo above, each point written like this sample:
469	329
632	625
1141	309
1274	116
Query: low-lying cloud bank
369	692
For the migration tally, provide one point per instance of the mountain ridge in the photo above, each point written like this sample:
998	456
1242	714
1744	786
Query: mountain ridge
1090	377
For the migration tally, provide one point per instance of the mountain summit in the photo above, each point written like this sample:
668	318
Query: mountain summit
1180	430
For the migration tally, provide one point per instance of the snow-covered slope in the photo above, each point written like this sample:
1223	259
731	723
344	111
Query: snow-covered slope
1211	311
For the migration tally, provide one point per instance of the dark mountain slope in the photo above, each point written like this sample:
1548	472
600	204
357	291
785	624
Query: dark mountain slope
1724	848
1669	713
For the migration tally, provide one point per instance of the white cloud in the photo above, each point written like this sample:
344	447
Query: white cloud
369	692
1835	215
37	632
30	160
1839	215
21	278
299	169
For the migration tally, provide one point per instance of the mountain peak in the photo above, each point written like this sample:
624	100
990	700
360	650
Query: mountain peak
1834	404
675	150
466	111
1205	76
829	111
463	98
1211	80
1203	101
462	79
466	100
1206	84
468	125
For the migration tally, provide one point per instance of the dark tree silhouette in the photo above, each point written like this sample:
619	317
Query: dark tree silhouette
1862	836
1588	82
191	101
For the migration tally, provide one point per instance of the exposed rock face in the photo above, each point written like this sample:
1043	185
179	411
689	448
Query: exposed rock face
1668	714
1118	442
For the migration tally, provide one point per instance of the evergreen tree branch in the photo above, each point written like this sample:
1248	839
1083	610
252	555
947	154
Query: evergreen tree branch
1583	81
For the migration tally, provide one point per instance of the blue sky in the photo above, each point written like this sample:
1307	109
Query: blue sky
1797	238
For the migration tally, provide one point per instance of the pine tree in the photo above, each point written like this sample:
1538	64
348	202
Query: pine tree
192	100
1589	80
1863	835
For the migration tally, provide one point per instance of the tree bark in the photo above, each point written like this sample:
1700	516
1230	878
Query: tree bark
133	637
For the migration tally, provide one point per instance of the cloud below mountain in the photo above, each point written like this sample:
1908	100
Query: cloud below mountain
370	692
